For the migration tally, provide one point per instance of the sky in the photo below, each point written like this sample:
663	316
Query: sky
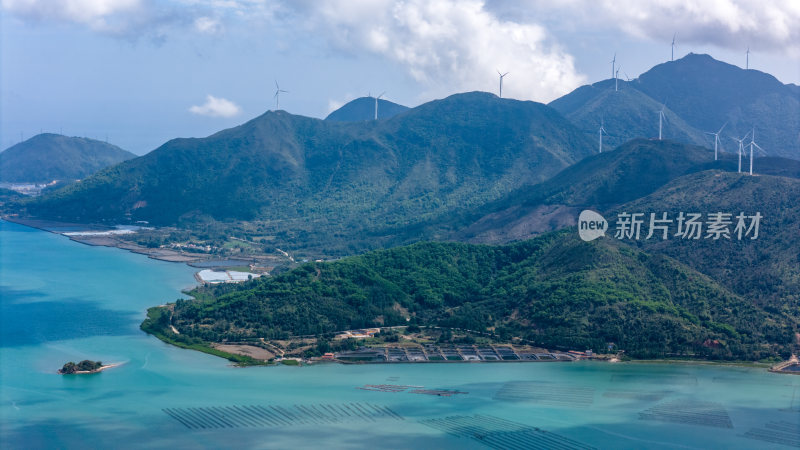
138	73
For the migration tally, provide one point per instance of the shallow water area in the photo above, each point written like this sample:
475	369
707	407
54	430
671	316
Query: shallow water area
64	301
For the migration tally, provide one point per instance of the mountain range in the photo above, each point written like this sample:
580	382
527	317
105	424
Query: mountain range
698	94
47	157
480	169
298	172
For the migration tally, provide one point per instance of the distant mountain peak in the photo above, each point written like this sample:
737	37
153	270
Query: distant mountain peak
48	156
363	108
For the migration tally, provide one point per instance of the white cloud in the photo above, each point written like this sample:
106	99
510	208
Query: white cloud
448	46
333	105
772	25
208	25
97	15
216	107
767	25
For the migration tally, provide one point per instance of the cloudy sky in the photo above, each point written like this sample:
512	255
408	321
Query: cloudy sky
140	72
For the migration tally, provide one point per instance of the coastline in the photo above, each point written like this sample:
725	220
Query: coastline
242	360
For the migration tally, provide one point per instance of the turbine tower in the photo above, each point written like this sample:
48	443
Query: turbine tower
747	66
716	139
613	61
600	132
376	104
672	58
278	91
752	144
741	149
502	75
661	117
616	80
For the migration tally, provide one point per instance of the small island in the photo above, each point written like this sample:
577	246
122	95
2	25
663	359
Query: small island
83	367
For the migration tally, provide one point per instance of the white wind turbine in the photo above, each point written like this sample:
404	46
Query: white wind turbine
661	118
278	91
672	58
613	61
747	66
752	144
741	149
376	104
600	133
717	141
502	75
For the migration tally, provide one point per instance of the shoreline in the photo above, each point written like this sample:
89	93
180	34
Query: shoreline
105	240
178	257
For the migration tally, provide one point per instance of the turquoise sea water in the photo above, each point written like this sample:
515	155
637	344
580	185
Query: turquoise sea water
64	301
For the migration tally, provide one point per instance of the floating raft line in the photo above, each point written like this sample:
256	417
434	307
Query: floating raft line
784	433
439	392
504	434
689	412
546	393
257	416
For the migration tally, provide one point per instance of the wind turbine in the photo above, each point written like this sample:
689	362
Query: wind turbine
748	58
600	132
716	139
616	80
376	104
613	61
752	144
502	75
741	149
278	91
661	117
672	58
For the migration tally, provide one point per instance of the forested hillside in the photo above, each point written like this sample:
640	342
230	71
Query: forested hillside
555	290
47	157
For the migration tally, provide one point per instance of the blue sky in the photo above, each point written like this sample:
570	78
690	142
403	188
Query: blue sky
141	72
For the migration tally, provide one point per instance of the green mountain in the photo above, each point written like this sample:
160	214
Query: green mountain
363	108
704	94
625	114
601	182
323	179
766	270
47	157
556	291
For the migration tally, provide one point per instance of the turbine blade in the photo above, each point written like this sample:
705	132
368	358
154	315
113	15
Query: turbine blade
723	127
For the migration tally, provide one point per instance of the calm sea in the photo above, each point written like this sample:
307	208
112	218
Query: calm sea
63	301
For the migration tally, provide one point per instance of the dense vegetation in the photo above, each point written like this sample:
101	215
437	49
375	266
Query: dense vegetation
294	172
625	114
602	182
701	94
556	291
47	157
157	323
83	366
766	271
363	108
